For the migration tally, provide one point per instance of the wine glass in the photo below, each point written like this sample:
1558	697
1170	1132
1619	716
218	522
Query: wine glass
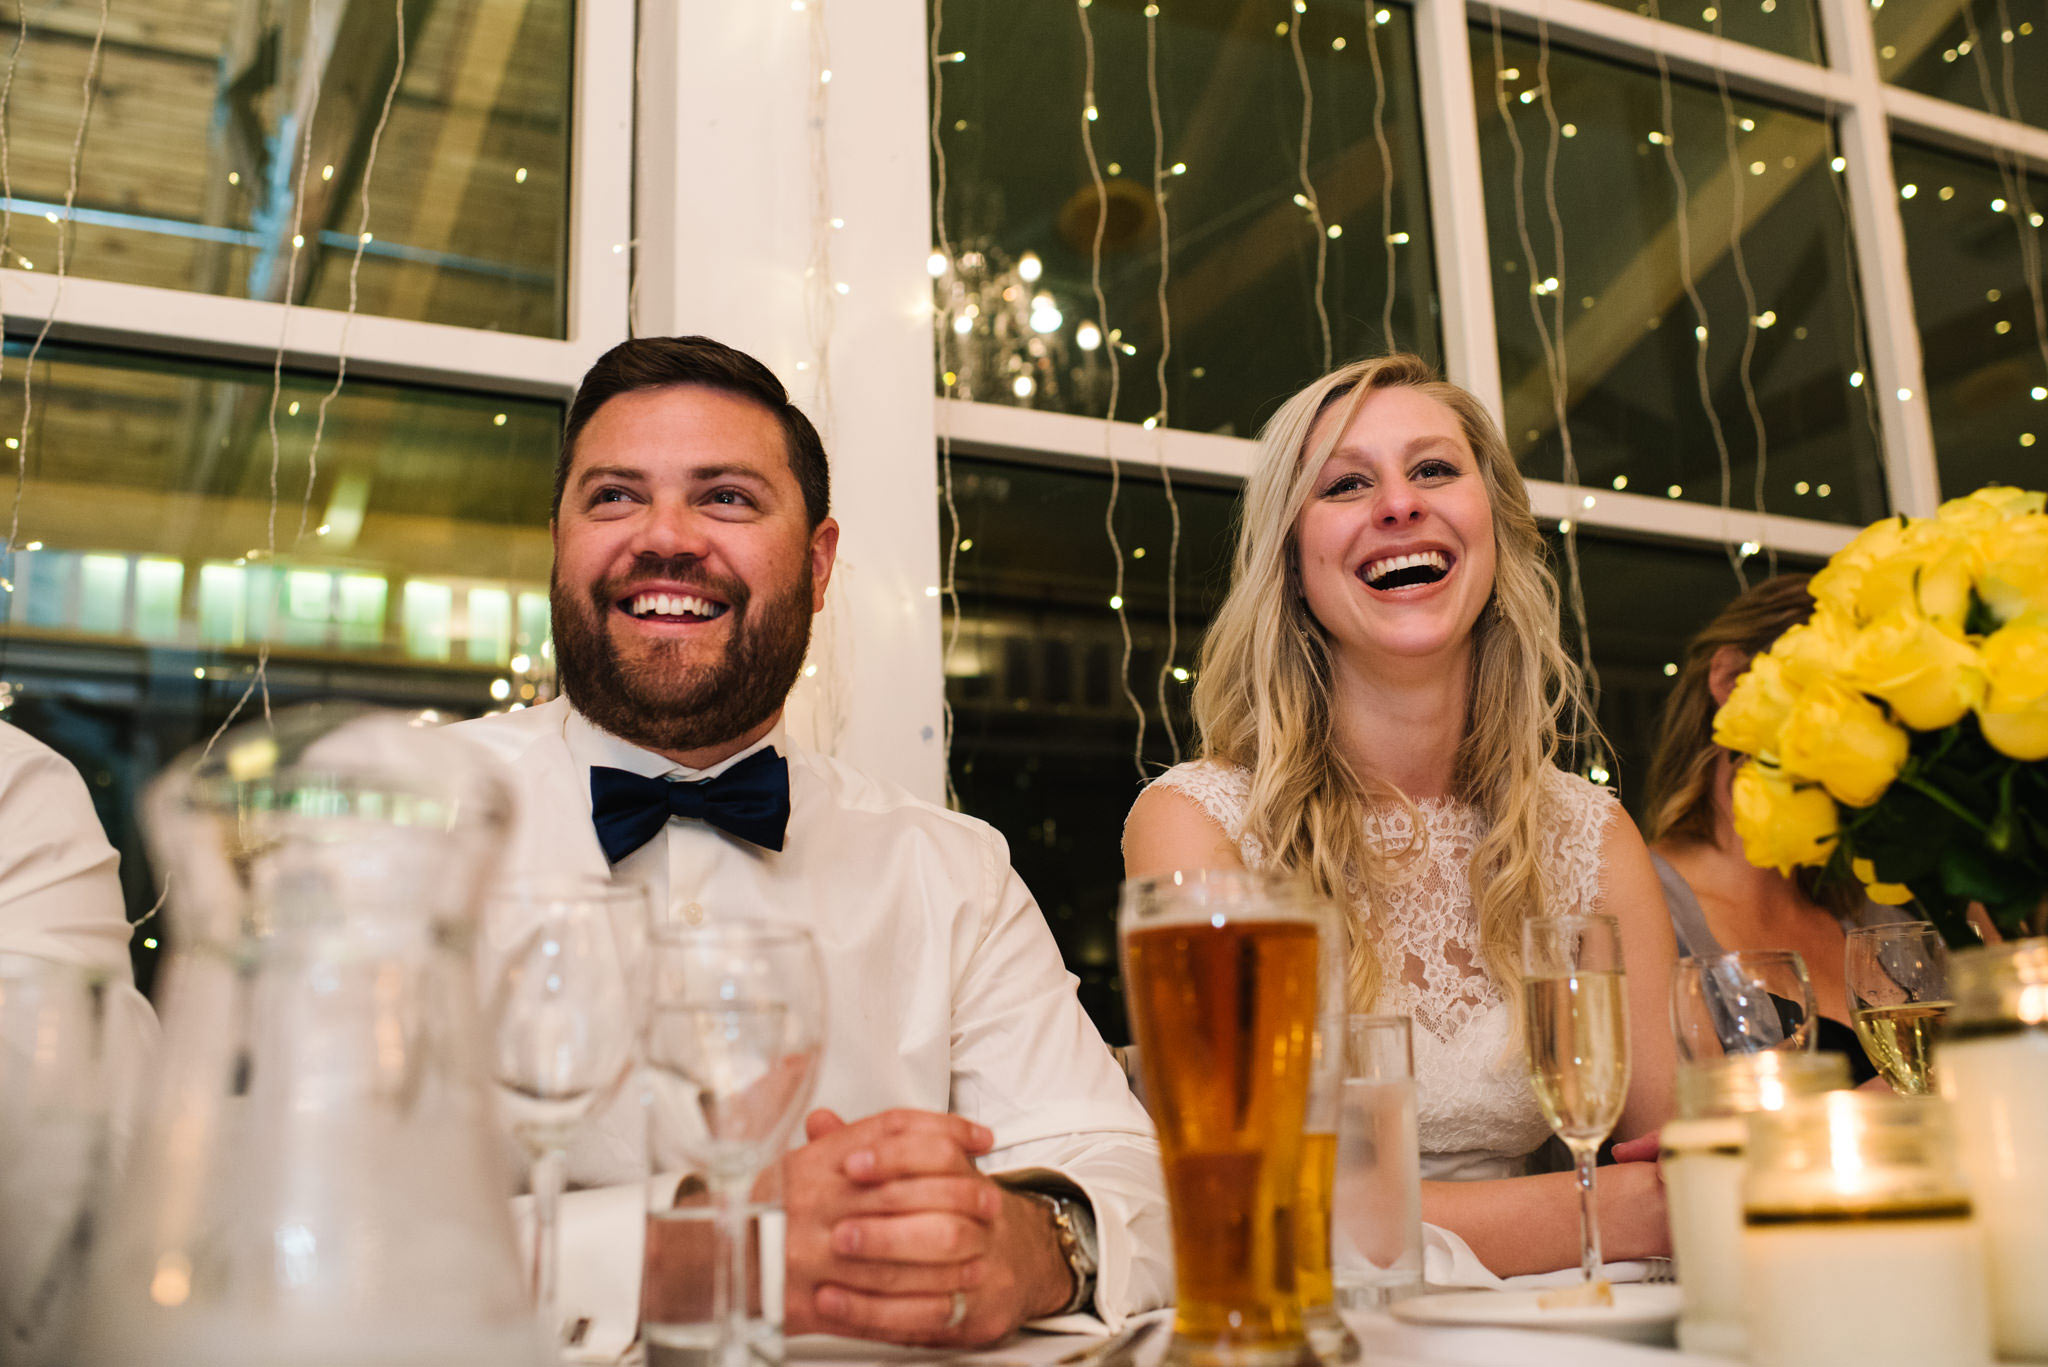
1897	976
1741	1002
736	1031
1576	1016
563	1023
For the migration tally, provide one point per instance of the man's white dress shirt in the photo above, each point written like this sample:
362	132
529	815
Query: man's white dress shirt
944	988
60	897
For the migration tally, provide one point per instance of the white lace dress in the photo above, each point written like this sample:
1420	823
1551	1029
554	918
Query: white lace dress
1478	1116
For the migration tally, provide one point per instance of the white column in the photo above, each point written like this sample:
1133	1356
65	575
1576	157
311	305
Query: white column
725	223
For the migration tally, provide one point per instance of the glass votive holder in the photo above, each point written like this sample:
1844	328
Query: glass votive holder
1994	1071
1859	1244
1703	1154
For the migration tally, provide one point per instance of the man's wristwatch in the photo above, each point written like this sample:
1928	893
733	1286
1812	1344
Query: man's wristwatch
1073	1222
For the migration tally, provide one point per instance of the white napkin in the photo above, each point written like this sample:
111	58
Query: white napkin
1448	1261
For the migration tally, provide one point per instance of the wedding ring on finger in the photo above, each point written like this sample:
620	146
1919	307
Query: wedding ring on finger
957	1316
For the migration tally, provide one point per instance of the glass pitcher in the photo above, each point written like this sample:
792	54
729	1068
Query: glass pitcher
318	1179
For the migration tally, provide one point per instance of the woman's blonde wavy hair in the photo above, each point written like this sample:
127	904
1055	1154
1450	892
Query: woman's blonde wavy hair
1262	698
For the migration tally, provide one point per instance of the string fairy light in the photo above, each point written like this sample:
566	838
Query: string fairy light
1089	114
1159	174
2017	201
1682	208
66	231
1553	285
1751	326
949	584
1307	198
1379	133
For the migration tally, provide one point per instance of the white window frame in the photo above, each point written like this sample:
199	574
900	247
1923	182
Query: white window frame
1848	86
186	323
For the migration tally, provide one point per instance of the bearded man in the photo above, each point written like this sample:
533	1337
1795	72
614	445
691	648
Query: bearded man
976	1159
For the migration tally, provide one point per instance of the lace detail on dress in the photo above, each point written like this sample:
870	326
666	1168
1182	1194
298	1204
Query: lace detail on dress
1473	1095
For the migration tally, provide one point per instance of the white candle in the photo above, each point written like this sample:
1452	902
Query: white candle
1867	1294
1999	1086
1859	1244
1702	1164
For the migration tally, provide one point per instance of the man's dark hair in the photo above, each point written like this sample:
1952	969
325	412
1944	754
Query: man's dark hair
659	362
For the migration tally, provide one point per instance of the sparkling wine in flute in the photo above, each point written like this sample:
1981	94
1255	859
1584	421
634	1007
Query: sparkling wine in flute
1578	1052
1900	1042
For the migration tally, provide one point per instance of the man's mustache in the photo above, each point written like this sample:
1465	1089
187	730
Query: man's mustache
686	571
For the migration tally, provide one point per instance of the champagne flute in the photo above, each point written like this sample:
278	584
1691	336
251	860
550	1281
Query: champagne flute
1741	1002
1576	1017
563	1022
737	1029
1897	976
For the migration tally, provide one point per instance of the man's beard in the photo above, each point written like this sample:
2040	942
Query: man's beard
656	700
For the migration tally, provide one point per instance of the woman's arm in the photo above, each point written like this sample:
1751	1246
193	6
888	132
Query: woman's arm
1631	894
1168	830
1531	1224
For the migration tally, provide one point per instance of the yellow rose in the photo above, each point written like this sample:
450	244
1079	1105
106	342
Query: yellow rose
1782	825
1842	741
2015	578
2014	712
1756	708
1990	505
1886	894
1815	649
1898	565
1929	678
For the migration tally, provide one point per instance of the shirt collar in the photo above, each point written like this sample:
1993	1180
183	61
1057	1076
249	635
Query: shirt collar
592	745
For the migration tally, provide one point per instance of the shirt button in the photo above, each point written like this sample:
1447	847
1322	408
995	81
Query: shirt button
693	914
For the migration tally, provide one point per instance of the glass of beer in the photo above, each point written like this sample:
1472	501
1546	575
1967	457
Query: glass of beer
1223	974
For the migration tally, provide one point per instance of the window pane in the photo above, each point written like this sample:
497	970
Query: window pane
142	594
1241	283
1969	51
189	177
1788	27
1042	731
1630	332
1987	372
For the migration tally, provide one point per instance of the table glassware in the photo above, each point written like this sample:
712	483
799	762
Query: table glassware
1702	1153
563	1021
1994	1072
319	1178
1315	1183
1741	1002
54	1141
1576	1016
1897	976
735	1035
1223	977
1377	1216
1860	1245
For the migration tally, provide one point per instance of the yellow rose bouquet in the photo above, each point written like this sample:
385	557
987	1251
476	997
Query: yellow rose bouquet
1900	737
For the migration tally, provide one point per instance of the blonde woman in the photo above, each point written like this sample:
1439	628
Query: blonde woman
1379	700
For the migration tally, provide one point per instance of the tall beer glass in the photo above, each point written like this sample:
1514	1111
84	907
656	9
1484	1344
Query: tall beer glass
1222	973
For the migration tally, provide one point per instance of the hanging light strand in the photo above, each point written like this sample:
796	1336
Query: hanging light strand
823	295
1112	346
2012	172
66	231
1307	197
1751	330
1379	134
1159	174
355	267
1830	114
1681	223
943	331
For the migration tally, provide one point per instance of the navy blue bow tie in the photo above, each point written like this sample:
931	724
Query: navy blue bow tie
749	800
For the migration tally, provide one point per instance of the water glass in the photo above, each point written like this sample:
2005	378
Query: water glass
1377	1219
733	1047
1741	1002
